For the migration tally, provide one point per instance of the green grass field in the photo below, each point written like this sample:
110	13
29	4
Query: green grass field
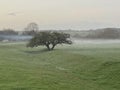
76	67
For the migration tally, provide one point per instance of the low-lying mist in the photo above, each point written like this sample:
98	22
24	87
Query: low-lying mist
95	41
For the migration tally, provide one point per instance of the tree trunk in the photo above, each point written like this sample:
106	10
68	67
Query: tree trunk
48	47
53	46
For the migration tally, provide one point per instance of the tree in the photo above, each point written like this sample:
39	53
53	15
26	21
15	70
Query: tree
32	28
49	39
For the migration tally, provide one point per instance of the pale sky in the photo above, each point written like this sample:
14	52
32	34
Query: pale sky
60	14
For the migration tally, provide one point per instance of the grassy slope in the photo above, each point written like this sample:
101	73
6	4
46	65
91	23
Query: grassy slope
77	67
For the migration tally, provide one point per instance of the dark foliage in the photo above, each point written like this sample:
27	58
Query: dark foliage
8	32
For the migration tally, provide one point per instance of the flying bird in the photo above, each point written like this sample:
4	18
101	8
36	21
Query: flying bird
14	13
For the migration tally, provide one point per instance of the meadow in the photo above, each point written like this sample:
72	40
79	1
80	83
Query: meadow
82	66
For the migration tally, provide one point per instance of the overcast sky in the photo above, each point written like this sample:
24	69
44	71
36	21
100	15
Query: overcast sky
60	14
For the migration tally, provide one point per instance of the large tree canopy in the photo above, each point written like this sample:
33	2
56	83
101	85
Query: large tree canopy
49	39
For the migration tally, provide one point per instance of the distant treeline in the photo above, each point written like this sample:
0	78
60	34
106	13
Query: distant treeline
14	32
106	33
8	32
12	35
